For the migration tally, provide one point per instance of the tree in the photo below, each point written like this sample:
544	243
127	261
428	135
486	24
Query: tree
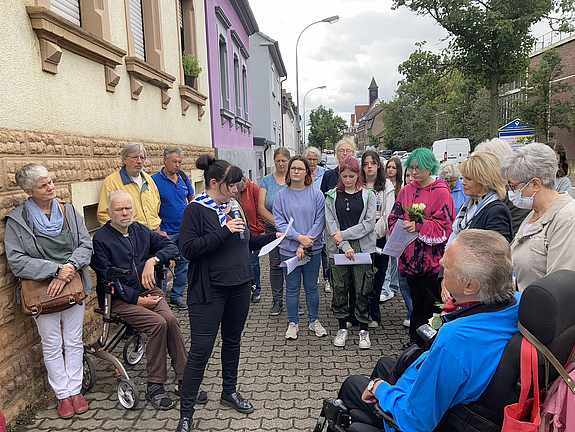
325	128
543	108
490	39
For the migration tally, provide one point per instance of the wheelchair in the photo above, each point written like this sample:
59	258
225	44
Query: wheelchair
135	341
545	310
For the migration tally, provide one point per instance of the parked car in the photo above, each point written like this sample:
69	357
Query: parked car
386	154
399	153
331	162
451	149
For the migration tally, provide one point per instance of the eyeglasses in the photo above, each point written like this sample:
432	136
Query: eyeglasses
413	169
297	169
135	158
512	186
345	151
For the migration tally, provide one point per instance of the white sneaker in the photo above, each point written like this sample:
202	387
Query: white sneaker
373	324
291	332
406	323
364	342
317	328
385	297
340	338
327	287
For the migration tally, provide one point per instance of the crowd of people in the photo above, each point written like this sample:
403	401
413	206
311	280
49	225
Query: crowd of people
338	220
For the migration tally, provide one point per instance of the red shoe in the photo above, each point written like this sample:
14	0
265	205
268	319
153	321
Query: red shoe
80	404
65	408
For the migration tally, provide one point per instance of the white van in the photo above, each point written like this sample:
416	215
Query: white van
451	149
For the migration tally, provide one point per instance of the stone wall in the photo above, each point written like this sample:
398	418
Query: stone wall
70	159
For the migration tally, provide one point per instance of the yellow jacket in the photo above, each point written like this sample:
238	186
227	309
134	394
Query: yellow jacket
146	201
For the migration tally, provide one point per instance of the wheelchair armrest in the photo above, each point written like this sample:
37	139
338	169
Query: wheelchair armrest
387	417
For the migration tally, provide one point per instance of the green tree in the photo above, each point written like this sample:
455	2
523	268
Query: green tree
543	108
490	39
325	128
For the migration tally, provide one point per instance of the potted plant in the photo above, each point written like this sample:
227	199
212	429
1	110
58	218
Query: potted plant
192	69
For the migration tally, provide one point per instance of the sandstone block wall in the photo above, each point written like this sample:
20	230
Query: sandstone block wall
70	159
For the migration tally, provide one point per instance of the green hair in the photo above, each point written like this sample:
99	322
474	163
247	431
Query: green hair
425	159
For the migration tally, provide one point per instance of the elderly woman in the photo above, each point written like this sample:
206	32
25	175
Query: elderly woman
449	172
483	184
45	239
562	181
313	156
545	239
343	149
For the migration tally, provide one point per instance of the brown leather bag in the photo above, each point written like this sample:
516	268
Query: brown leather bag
36	301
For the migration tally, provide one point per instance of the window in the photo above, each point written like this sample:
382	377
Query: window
137	27
69	9
224	85
237	95
245	90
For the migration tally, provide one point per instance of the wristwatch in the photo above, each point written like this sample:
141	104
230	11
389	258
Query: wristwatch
155	258
371	384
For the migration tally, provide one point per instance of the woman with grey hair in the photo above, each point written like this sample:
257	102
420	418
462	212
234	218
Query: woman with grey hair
449	172
313	156
544	242
48	240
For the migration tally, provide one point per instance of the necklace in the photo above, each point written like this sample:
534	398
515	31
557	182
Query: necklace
346	204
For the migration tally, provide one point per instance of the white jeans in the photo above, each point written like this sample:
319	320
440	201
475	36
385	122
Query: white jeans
65	376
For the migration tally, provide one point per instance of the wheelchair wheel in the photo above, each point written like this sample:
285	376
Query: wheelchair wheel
89	374
134	349
128	395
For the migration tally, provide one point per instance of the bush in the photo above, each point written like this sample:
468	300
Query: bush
191	65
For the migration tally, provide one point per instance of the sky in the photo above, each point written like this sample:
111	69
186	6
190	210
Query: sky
370	40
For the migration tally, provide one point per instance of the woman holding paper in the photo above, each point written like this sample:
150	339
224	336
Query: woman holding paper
420	259
304	203
350	220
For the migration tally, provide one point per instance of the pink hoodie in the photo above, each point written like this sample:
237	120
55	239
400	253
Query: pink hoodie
422	256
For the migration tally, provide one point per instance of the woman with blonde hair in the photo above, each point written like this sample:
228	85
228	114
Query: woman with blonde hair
344	148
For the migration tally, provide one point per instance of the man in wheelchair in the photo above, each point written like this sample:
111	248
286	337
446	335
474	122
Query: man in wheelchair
137	299
459	364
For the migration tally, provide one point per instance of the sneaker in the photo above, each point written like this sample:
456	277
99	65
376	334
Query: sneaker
276	308
317	328
364	342
299	310
256	298
327	287
373	324
291	332
385	297
179	303
406	323
340	338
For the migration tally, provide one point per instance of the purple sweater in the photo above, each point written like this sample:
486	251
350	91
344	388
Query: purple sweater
307	207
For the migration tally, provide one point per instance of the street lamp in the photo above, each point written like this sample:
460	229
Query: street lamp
331	20
315	88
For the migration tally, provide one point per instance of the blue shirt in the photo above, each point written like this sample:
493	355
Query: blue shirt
458	196
272	187
174	199
319	177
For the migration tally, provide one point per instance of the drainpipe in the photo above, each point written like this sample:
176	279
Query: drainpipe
282	109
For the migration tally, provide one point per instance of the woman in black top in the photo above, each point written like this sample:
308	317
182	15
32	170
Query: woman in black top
219	283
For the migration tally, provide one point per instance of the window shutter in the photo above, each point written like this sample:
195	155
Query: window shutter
181	14
69	9
137	25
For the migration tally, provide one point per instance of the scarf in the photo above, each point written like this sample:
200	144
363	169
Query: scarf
314	172
50	227
468	211
205	200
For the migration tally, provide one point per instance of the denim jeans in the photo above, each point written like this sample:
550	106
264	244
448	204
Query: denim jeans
180	272
256	268
276	272
391	282
380	264
309	271
396	282
324	263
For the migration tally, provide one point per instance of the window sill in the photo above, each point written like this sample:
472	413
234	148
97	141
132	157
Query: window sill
55	32
140	70
190	95
228	116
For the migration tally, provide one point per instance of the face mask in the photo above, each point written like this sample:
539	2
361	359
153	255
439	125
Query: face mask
520	201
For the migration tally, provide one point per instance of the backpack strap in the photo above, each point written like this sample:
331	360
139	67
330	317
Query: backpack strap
548	355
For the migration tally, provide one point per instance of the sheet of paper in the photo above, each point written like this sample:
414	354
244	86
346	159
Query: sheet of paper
270	246
398	240
378	250
360	258
292	263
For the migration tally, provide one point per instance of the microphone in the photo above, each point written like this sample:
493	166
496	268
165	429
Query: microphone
235	210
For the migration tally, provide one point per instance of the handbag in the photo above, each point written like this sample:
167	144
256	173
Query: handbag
35	298
524	416
36	301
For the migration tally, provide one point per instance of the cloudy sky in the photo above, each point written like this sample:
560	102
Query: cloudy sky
370	40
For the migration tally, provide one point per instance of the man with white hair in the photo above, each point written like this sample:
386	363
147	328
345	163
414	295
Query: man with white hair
127	244
459	364
133	179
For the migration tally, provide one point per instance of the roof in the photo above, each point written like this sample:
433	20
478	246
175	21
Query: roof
372	84
246	16
276	54
360	111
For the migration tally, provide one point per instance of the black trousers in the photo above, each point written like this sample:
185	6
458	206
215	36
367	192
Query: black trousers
380	263
229	307
353	387
424	291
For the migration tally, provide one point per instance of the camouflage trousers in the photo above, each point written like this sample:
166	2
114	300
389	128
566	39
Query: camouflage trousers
351	279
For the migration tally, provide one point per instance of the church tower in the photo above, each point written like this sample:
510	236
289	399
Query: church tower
373	91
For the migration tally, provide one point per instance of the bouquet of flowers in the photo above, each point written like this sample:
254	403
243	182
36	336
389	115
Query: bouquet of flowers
416	212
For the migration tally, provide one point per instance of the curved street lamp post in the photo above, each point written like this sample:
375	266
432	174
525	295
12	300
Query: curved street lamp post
315	88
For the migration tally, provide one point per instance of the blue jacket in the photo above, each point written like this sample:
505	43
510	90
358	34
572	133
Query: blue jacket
456	369
112	249
458	196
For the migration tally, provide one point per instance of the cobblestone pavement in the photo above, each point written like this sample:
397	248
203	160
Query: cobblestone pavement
285	380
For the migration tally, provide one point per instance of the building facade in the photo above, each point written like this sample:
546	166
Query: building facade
289	113
78	83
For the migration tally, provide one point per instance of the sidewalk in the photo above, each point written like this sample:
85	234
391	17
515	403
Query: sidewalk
285	380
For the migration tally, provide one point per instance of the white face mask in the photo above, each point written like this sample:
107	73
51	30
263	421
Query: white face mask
520	201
